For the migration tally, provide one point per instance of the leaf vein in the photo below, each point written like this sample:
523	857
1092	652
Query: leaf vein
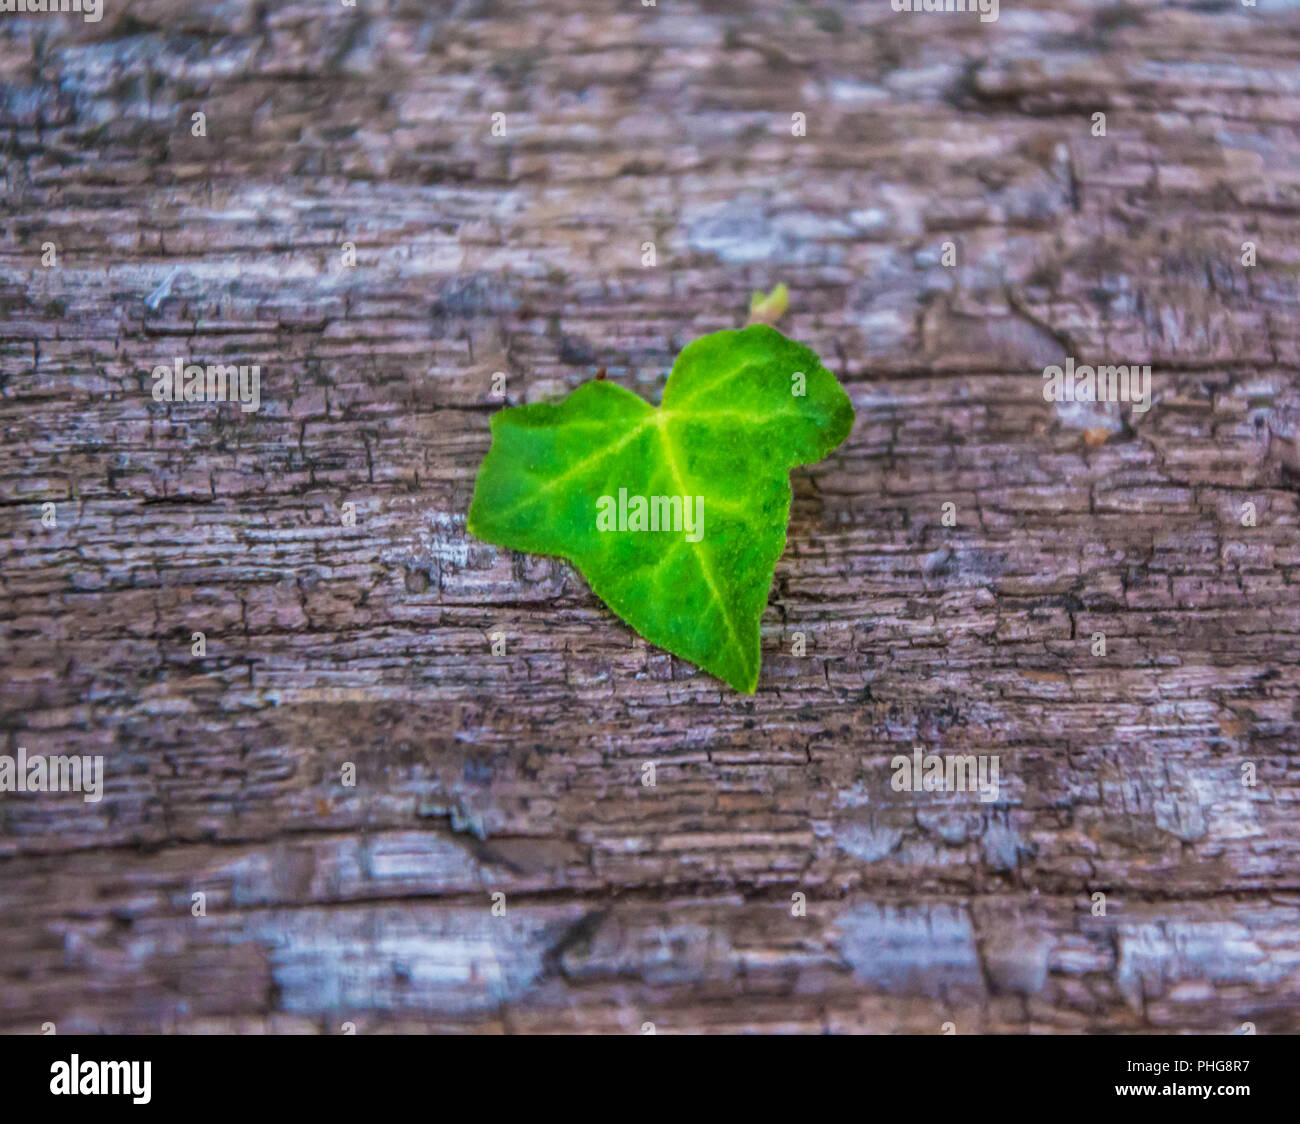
699	553
726	376
602	454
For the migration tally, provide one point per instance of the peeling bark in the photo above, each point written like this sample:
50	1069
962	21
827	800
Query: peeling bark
521	773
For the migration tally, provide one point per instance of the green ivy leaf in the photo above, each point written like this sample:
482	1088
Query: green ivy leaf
741	409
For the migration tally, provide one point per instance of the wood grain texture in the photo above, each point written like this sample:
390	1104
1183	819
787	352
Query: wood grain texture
521	773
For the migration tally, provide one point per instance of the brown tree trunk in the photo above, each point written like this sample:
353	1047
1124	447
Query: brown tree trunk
326	644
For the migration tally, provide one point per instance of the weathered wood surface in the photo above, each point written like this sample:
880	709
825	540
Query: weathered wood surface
369	644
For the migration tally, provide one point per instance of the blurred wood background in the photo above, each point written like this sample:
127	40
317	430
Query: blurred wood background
520	773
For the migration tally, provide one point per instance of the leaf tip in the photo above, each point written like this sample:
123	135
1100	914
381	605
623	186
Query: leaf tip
770	308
